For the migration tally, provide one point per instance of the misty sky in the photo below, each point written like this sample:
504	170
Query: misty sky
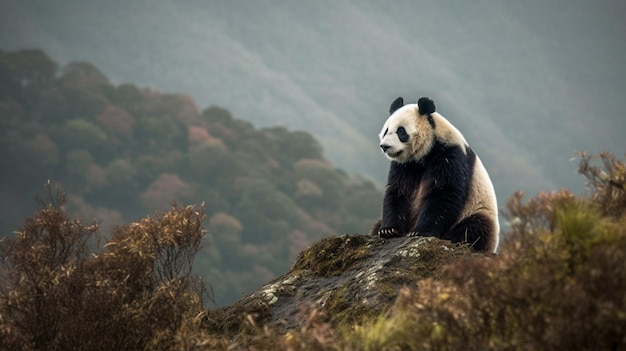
527	82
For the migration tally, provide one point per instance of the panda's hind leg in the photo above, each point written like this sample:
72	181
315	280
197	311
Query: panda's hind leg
476	230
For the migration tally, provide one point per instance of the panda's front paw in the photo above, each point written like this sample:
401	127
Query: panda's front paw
388	232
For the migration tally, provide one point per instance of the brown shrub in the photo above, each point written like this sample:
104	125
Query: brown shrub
60	292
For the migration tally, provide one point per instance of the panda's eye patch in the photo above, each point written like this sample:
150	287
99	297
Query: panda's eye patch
402	134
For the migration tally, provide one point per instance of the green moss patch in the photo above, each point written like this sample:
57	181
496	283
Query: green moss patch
334	255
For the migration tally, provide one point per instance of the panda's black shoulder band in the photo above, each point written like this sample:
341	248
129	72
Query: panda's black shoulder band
426	105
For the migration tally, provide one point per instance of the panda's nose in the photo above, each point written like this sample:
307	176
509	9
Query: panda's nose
384	147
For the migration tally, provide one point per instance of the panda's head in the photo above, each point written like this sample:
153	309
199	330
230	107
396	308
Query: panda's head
410	131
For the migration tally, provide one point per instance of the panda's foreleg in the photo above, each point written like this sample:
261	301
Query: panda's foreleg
445	186
438	211
396	215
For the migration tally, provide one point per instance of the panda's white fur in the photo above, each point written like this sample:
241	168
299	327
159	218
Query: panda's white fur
437	186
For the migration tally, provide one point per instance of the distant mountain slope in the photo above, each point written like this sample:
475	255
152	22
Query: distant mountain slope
527	83
123	152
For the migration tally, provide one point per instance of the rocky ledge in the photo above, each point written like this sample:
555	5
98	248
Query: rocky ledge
347	276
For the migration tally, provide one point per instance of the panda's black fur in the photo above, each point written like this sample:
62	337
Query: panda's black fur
436	185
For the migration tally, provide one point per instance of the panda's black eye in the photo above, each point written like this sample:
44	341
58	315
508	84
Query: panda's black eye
402	135
386	130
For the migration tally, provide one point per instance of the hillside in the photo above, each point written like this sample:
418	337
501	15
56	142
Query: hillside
527	83
123	152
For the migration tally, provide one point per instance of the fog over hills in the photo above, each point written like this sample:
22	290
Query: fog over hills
527	82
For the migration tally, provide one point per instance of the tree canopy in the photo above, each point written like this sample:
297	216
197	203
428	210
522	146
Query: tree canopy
123	151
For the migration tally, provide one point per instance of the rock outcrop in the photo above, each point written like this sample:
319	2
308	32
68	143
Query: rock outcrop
347	276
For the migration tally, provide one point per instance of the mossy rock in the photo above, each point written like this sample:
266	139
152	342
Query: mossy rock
334	255
348	276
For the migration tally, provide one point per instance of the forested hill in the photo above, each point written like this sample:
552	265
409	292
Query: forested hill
528	83
123	152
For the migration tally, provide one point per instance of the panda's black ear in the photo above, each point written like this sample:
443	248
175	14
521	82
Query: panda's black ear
396	104
426	105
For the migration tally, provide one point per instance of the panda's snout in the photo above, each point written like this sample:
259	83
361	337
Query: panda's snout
385	147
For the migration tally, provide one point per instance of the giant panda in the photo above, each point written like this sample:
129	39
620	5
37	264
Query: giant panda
436	186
